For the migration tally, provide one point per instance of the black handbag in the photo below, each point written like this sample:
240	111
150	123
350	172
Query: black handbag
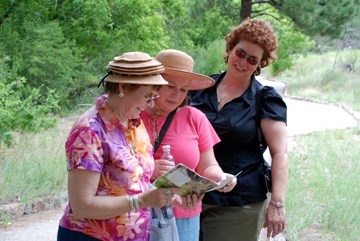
265	171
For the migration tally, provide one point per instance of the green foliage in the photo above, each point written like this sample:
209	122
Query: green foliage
35	166
317	77
320	17
48	56
178	28
347	59
212	20
211	27
40	53
323	173
66	45
291	44
291	41
22	110
60	49
209	60
86	22
5	220
138	26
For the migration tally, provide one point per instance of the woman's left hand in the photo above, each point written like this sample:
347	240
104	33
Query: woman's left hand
228	187
275	220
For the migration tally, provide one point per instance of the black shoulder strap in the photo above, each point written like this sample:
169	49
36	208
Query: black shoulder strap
260	137
163	130
258	98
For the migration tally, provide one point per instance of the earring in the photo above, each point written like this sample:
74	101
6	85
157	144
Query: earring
257	71
121	94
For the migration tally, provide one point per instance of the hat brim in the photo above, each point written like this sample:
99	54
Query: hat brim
145	80
198	81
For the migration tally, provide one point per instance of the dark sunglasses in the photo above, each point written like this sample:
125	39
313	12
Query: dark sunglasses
241	54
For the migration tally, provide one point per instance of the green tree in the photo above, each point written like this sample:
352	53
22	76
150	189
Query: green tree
39	51
212	20
138	26
321	17
89	25
21	110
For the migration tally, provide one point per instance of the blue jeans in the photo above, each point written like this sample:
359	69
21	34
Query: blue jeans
188	228
65	234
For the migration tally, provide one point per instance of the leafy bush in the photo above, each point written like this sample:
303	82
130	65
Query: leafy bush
291	44
22	110
209	60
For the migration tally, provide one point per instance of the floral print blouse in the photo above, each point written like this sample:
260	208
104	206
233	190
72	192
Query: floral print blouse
97	142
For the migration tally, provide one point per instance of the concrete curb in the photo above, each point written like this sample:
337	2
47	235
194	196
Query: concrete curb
16	210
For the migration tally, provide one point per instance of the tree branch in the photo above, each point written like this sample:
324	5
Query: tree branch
261	13
274	3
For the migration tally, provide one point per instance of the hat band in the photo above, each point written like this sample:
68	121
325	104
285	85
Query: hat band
137	75
111	73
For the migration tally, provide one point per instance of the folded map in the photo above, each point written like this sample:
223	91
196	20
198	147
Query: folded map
188	181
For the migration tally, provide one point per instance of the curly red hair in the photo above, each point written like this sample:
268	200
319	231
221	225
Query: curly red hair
258	32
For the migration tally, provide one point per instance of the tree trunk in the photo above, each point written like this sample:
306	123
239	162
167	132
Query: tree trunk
245	10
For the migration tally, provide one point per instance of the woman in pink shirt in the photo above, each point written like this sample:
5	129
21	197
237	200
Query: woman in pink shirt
190	135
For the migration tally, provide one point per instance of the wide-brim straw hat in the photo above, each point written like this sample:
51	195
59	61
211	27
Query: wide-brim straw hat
135	68
180	64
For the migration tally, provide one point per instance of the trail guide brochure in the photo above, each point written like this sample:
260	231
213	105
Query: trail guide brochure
188	181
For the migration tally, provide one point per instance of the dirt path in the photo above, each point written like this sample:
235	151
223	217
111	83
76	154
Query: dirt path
41	226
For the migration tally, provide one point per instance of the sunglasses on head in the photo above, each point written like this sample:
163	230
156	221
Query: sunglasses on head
241	54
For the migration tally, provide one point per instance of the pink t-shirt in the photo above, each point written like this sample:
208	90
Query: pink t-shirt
189	134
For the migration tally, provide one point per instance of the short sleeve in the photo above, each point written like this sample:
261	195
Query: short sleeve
83	150
273	106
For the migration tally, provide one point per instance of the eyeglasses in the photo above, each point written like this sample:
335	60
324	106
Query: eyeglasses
241	54
154	97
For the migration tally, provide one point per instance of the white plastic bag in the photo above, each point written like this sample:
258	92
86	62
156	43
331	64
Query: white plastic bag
163	225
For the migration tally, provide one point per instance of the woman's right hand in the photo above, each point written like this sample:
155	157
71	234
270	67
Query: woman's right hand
161	167
158	197
190	200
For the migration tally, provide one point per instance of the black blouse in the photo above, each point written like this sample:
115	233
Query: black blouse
239	148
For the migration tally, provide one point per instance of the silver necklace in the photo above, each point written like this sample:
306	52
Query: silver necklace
221	98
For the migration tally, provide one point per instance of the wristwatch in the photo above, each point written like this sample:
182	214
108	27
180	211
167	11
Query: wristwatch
277	204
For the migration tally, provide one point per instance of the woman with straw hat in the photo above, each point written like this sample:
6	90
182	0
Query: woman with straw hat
109	158
190	135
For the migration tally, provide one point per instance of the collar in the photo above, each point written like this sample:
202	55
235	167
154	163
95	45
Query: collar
249	94
109	118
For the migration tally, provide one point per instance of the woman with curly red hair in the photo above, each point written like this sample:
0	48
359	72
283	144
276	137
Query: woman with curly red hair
230	107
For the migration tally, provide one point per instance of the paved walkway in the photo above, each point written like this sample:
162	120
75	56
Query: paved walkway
303	117
306	116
